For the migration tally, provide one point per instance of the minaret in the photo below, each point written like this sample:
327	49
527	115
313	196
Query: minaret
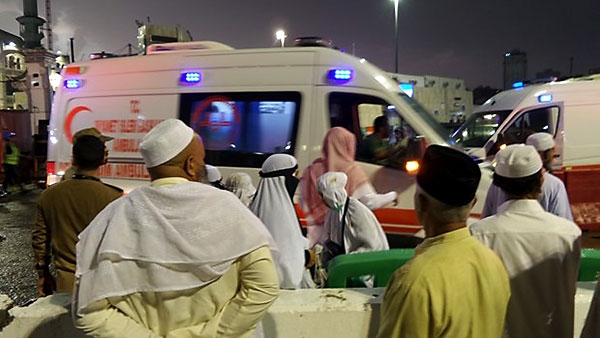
38	62
30	25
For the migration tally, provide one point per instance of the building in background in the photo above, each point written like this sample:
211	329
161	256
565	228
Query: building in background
447	99
12	69
149	34
25	67
515	68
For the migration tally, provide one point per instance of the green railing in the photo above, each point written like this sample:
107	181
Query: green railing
344	269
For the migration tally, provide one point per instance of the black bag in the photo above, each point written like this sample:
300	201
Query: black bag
331	248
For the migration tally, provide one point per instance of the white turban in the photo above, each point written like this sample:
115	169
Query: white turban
165	141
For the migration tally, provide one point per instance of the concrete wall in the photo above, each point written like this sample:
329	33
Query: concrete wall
344	313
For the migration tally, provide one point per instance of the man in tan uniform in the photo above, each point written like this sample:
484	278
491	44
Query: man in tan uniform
177	258
64	210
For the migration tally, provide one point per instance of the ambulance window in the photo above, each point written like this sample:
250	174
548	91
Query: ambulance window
358	113
533	121
243	129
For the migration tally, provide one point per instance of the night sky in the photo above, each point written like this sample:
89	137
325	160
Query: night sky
455	38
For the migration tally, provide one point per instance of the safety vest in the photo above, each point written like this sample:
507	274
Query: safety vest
14	157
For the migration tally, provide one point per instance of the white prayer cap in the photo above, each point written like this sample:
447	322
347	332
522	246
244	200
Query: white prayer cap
213	173
165	141
518	160
540	141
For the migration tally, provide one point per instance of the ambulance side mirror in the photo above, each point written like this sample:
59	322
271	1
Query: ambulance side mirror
497	145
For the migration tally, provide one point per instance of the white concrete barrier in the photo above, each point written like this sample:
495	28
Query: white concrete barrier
48	317
5	304
347	313
583	298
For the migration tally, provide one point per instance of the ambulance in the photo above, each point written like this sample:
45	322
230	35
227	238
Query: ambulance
246	104
570	111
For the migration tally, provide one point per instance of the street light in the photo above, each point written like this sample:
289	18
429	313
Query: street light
280	35
396	33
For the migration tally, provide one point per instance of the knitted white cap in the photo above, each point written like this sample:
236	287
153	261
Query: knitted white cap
540	141
518	160
165	141
213	173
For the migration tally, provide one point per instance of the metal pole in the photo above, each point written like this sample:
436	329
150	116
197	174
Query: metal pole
571	66
396	34
72	51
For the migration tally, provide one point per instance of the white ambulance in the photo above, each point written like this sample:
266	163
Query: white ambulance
570	111
246	104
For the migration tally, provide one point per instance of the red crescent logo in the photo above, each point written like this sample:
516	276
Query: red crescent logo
69	120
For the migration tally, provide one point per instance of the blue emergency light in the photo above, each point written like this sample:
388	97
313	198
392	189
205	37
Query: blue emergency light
190	78
340	75
545	98
518	84
72	84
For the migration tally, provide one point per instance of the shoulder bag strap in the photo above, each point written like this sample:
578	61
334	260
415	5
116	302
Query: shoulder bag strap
344	221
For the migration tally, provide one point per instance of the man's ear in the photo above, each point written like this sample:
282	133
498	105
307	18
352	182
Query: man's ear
190	167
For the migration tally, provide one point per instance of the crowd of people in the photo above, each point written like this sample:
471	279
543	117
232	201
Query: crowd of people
194	254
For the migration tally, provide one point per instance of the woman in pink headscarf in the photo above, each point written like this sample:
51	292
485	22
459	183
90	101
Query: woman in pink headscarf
337	154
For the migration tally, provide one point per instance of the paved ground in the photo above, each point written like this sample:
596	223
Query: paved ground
17	275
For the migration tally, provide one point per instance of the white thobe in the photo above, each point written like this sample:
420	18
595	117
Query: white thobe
541	253
553	198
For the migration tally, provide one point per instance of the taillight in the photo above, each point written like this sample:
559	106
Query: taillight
51	176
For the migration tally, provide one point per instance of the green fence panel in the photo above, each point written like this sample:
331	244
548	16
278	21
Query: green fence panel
589	267
343	269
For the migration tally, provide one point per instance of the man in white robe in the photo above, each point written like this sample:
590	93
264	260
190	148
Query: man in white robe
540	251
178	258
273	205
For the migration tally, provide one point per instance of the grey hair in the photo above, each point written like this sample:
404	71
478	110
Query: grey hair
445	212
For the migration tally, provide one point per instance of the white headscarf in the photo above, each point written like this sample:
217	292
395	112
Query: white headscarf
273	205
164	238
363	231
240	184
